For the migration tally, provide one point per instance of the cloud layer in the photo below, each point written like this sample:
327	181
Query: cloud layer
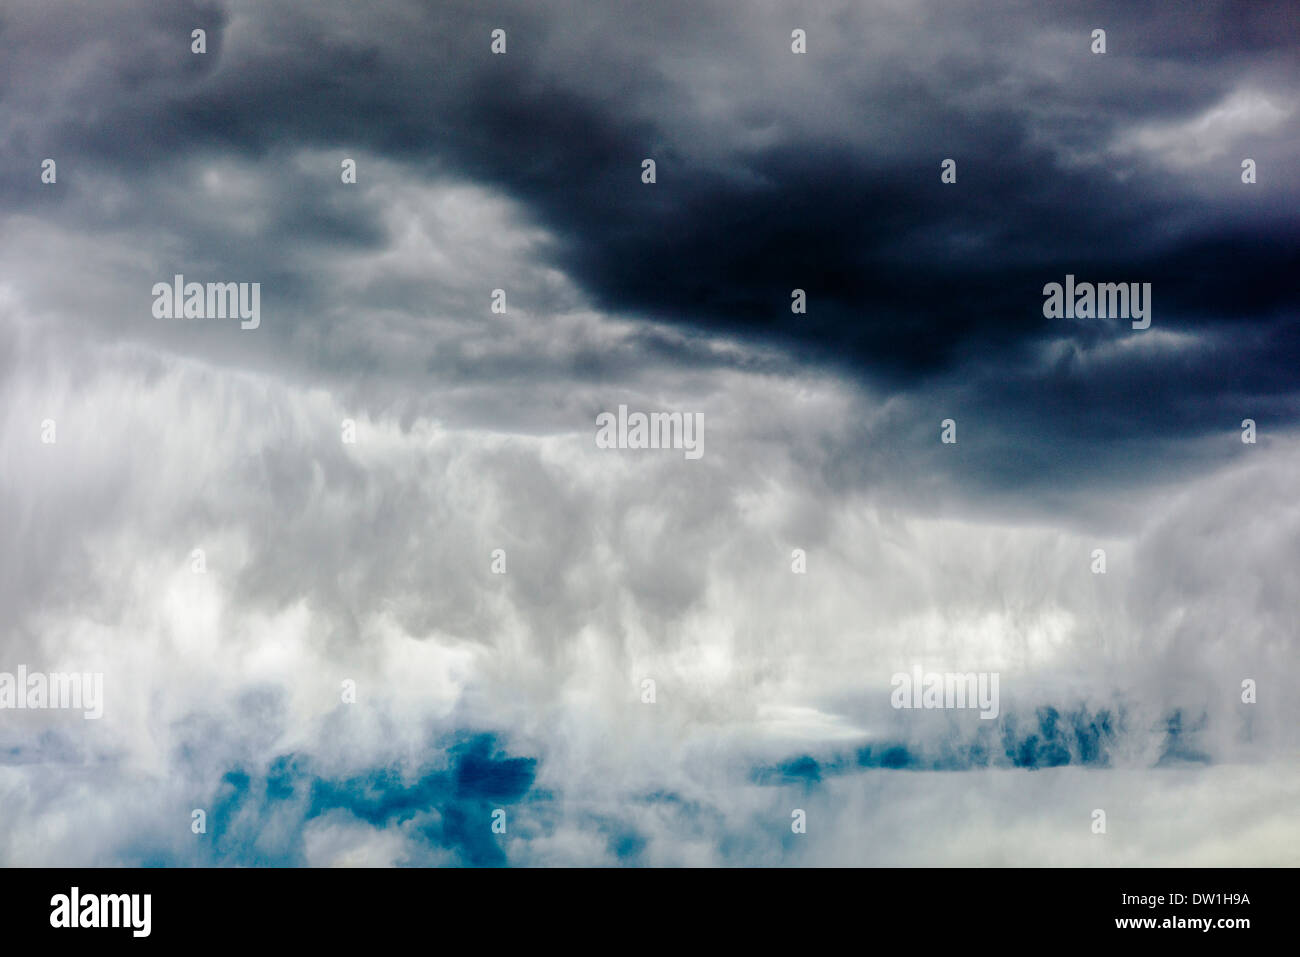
327	562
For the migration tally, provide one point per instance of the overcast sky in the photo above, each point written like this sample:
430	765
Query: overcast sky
328	561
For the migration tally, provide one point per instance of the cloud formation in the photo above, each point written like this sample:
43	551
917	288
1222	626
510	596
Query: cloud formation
326	561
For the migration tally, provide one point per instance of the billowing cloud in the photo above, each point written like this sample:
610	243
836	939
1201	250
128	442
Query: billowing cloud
362	576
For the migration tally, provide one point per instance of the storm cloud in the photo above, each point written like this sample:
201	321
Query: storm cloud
348	471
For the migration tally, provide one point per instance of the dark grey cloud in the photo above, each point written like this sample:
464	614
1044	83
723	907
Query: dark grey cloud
775	171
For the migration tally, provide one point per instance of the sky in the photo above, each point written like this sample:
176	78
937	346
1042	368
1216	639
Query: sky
365	588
